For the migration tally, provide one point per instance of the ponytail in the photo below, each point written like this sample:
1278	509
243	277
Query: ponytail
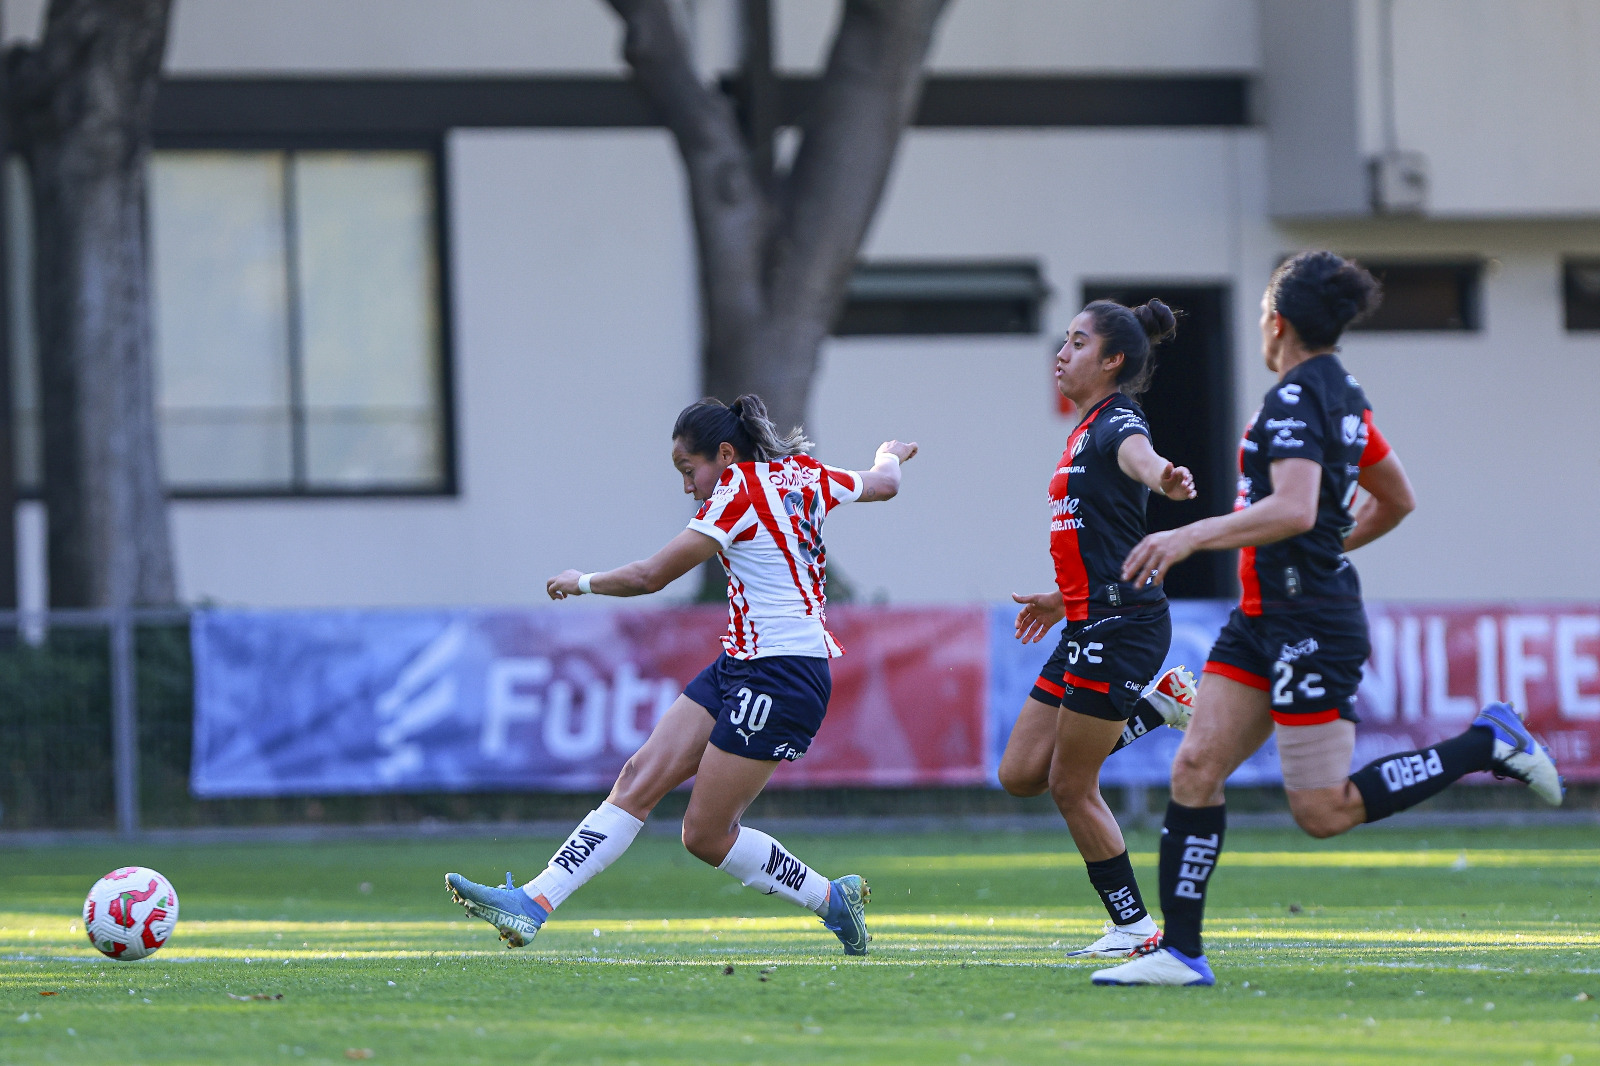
1133	331
702	427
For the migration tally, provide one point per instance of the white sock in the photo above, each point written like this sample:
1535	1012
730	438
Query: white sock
762	863
600	839
1145	926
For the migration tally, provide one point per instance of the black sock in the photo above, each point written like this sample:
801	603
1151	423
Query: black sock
1145	718
1395	782
1191	840
1113	879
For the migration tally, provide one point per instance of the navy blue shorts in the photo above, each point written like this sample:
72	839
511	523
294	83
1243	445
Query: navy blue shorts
1308	663
766	709
1102	665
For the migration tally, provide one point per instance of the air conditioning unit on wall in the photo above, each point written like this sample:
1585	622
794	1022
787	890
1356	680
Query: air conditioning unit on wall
1399	183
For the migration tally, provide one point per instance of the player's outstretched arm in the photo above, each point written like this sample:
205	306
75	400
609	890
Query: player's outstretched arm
1138	459
682	554
1389	500
882	482
1290	509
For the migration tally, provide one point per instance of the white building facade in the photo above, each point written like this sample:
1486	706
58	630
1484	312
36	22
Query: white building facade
487	399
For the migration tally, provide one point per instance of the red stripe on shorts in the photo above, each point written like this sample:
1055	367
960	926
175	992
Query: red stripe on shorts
1314	718
1083	682
1234	673
1050	687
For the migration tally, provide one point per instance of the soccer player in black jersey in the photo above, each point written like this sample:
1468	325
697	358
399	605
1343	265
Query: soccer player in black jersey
1087	701
1289	659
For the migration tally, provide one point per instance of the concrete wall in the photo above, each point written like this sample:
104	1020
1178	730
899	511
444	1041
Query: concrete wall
1080	36
574	342
1502	99
212	37
511	36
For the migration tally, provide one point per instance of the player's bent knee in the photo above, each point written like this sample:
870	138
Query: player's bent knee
1320	820
1019	784
1321	825
709	844
1193	772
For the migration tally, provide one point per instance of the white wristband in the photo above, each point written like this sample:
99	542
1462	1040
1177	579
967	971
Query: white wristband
583	584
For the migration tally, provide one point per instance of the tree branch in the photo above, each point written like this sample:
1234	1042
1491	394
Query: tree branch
849	135
732	214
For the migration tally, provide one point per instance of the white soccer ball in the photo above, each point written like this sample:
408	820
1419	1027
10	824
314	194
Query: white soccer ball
130	913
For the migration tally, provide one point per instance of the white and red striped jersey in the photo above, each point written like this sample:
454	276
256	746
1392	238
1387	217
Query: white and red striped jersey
768	519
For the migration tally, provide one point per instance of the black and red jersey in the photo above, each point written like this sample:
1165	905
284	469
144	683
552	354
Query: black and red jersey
1316	412
1097	514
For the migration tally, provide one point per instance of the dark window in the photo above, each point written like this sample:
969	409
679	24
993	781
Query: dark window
1190	408
886	299
1580	284
1425	296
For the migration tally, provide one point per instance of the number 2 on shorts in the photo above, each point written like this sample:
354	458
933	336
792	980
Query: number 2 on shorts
1282	697
759	706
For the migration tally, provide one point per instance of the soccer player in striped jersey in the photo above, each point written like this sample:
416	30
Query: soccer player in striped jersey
763	501
1095	693
1288	662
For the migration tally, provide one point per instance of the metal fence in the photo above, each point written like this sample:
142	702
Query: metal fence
56	687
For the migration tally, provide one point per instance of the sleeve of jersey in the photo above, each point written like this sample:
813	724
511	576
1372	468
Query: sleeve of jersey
1293	424
841	486
727	513
1121	425
1377	448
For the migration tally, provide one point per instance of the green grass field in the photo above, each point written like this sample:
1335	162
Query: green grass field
1391	946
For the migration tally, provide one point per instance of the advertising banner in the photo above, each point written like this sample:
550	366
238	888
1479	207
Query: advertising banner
327	702
1433	666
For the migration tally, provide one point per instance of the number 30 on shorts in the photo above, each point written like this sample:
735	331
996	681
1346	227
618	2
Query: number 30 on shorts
757	704
1284	677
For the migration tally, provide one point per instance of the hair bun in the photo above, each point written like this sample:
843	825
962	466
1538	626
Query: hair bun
1157	319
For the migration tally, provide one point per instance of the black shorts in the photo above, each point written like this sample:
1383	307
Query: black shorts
1100	666
1309	663
766	709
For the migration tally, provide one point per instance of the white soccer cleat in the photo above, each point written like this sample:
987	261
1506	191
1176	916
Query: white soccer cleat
1118	943
1163	966
1173	695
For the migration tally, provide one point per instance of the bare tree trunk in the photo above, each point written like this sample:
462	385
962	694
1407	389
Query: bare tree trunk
83	100
776	251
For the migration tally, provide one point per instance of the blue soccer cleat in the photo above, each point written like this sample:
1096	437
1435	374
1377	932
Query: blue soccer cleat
1518	755
847	900
1163	966
508	909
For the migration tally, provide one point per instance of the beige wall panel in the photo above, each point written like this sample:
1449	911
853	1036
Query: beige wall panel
1056	35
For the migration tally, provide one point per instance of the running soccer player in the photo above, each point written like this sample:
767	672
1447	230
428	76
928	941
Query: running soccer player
763	502
1087	701
1288	662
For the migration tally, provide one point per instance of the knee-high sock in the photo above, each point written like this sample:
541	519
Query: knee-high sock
1145	718
1113	879
1191	840
765	865
1395	782
600	839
